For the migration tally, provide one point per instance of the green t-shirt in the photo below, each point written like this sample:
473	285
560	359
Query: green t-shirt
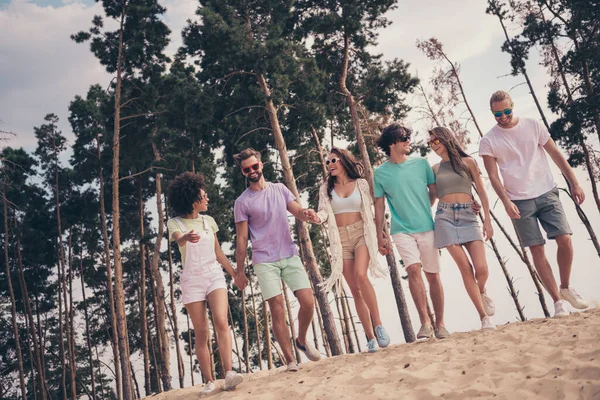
196	224
405	187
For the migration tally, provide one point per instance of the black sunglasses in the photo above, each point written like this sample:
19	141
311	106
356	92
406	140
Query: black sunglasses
405	138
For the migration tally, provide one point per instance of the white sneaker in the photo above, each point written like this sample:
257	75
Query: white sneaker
560	309
488	304
573	298
311	352
232	379
208	388
292	367
487	324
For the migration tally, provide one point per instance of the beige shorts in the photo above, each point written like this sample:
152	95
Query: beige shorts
418	248
352	236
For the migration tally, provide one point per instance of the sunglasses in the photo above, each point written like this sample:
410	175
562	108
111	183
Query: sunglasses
332	161
507	111
404	138
435	141
253	167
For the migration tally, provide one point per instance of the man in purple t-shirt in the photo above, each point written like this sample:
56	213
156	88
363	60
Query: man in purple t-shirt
263	210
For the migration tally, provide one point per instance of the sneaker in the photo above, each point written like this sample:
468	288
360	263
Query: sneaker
573	298
488	304
208	388
382	337
487	324
232	379
292	367
311	352
372	346
442	333
425	332
560	309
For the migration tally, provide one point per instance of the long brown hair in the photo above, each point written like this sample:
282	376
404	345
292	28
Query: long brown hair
352	166
455	150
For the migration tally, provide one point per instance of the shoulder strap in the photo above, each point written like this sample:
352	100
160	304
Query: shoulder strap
179	223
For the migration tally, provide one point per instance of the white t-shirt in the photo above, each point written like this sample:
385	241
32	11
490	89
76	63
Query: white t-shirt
521	158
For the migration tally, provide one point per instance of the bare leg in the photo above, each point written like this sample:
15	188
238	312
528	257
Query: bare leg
437	297
417	290
305	314
197	312
462	261
565	259
359	303
476	250
218	303
545	272
280	329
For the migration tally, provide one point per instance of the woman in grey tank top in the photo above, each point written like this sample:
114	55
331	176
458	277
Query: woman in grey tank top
456	225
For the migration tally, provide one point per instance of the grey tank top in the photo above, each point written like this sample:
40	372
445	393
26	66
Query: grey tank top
448	181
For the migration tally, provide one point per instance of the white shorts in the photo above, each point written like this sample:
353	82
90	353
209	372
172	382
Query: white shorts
418	248
196	285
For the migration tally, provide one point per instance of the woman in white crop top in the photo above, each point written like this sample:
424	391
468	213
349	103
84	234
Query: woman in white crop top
346	205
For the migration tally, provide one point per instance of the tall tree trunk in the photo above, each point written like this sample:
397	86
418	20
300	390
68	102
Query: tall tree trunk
69	319
407	328
33	330
180	368
234	337
61	332
256	320
137	386
41	341
121	315
267	336
589	167
159	337
160	289
109	278
143	305
13	303
191	346
310	263
87	327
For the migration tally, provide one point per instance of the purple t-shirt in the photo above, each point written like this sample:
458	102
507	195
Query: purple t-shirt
267	216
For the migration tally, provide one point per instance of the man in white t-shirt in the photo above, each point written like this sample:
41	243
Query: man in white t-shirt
518	147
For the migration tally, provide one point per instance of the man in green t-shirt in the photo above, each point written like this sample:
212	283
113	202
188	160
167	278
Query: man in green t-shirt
408	183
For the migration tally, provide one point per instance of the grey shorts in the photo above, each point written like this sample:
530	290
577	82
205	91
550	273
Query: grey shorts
548	210
456	223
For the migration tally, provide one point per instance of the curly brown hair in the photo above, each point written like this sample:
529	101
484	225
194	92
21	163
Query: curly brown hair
184	191
353	167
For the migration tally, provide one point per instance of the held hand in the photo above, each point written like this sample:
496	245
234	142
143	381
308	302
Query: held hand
512	210
191	236
240	281
476	207
311	215
488	230
578	194
383	245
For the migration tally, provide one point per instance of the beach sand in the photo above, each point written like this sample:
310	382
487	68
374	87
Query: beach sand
536	359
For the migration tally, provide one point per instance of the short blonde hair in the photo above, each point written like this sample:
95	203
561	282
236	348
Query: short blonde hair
500	95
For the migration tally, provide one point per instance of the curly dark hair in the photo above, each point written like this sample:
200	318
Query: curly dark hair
184	191
390	135
353	167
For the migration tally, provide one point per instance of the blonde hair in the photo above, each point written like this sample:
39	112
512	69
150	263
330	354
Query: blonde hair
500	95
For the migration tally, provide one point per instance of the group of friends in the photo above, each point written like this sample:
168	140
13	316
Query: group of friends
515	149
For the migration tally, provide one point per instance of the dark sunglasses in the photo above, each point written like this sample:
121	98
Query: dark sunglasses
332	161
254	167
404	138
507	111
435	141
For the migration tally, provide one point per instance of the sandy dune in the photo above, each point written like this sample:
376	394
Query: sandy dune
541	359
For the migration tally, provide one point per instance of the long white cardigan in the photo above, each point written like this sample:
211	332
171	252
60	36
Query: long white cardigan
327	216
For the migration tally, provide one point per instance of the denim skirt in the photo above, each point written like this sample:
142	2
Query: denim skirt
456	223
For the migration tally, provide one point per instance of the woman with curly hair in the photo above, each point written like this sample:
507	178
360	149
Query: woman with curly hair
456	225
345	204
202	278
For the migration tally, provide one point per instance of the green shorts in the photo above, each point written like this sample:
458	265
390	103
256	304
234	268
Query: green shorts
289	269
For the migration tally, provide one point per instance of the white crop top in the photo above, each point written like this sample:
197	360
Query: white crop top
351	203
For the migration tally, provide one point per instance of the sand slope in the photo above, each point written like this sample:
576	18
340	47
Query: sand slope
541	359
